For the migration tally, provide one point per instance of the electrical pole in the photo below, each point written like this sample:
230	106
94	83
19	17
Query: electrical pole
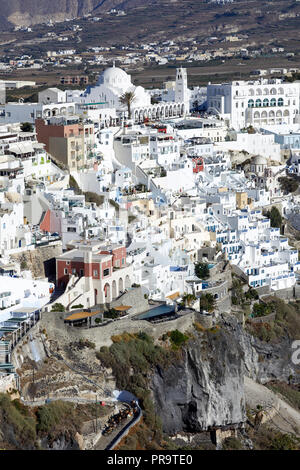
96	416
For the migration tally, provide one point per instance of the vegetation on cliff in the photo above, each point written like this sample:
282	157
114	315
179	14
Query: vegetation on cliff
32	428
132	357
286	322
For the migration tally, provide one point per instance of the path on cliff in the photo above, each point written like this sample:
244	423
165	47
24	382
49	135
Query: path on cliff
281	415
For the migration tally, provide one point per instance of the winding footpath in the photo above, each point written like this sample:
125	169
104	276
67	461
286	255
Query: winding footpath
278	412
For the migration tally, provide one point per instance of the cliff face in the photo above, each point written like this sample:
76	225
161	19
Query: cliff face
26	12
29	12
204	389
265	361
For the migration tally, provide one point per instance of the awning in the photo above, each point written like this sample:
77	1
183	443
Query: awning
122	308
81	315
174	296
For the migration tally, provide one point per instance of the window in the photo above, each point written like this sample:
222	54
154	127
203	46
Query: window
266	102
67	263
251	104
106	272
66	271
71	229
95	272
280	102
258	103
123	260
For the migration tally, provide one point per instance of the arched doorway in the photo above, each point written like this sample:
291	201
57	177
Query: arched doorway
107	293
121	285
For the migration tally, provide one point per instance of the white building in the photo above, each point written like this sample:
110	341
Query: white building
113	83
256	103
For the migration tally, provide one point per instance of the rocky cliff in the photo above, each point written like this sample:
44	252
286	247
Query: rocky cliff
265	361
206	388
28	12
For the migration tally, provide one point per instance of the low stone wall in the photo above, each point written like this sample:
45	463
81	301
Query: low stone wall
263	290
264	319
205	320
101	335
285	294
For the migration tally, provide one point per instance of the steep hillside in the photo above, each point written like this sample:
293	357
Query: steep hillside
26	12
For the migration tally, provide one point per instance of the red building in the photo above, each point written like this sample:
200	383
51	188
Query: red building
198	164
104	267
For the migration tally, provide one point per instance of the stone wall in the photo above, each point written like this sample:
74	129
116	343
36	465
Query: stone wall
135	298
264	319
101	335
285	294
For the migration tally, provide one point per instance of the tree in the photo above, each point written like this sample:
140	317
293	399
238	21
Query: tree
58	308
275	217
207	302
26	127
288	184
202	270
188	299
127	99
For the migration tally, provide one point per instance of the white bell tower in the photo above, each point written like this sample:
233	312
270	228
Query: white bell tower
182	94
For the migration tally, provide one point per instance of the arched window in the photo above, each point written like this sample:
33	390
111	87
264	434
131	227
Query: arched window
258	103
280	101
266	102
273	102
251	104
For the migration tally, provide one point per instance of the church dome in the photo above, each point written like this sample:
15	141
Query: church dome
115	77
259	160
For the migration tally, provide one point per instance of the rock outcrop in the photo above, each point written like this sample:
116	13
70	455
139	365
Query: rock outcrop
205	389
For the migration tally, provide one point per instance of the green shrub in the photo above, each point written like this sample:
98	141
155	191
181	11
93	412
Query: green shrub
177	338
202	270
23	264
260	309
58	308
85	343
54	414
284	442
77	306
232	443
15	418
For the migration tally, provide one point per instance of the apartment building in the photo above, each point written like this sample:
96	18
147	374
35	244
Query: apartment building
70	141
257	103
